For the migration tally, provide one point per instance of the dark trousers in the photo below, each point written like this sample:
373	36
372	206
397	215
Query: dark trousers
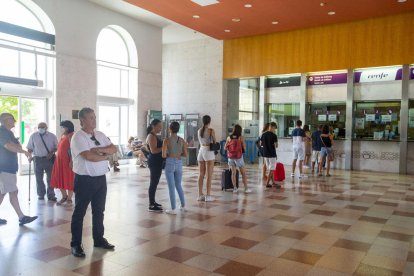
42	165
155	175
88	189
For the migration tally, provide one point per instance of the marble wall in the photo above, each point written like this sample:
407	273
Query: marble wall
382	156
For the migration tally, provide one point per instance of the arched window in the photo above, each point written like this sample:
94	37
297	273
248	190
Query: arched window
117	66
27	66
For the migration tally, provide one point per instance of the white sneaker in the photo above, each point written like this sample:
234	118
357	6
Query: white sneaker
171	211
201	198
235	190
302	176
247	191
182	209
292	175
209	198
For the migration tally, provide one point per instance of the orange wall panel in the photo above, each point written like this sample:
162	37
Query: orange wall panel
367	43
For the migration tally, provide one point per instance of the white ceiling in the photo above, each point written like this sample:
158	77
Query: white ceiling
171	31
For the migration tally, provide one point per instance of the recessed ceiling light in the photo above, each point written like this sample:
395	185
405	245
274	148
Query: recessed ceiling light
275	22
402	1
236	20
196	16
248	5
227	31
331	13
322	4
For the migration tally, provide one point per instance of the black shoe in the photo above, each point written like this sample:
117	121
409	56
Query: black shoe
26	219
41	198
105	245
77	251
157	204
154	208
3	221
52	199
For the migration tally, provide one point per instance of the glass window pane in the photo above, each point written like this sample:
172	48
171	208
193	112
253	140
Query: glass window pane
411	120
109	81
332	114
27	65
109	122
125	126
111	47
377	120
9	62
124	84
285	116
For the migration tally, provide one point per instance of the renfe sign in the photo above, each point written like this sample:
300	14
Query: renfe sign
375	75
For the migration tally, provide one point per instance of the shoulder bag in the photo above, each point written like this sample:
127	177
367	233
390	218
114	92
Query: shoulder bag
214	146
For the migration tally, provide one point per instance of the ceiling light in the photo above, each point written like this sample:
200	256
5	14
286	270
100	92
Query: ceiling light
204	3
402	1
322	4
331	13
196	16
236	20
275	22
248	5
227	31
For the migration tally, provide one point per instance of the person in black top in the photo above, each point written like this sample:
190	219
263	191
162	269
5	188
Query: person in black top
316	146
154	163
326	150
268	142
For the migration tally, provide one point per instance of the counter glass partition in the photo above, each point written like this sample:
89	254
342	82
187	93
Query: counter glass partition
332	114
285	116
411	120
377	120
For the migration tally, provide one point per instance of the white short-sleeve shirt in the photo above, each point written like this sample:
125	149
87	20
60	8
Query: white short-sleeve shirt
81	141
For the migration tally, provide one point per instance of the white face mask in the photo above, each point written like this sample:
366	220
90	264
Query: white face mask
42	130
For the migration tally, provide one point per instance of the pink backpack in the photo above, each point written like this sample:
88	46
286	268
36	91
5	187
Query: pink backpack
234	149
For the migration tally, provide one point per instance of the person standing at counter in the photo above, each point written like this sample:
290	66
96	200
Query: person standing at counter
316	147
298	139
326	150
268	141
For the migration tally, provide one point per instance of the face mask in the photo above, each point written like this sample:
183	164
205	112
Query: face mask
42	130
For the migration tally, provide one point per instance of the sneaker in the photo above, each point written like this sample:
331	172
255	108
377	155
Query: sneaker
26	219
3	221
157	204
171	211
302	176
182	209
292	175
247	191
154	208
201	198
235	190
209	198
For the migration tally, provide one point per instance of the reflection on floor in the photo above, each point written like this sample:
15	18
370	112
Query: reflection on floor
350	223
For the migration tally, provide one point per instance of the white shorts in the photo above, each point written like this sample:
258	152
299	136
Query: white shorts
270	163
8	183
315	155
298	153
205	154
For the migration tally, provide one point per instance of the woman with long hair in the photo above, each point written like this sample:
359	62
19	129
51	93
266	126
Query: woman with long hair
308	146
173	148
326	150
62	174
206	157
235	146
154	162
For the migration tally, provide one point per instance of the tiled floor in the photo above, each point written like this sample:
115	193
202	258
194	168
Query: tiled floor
353	223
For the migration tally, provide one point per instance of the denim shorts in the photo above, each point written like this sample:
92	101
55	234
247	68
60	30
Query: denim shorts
239	163
325	151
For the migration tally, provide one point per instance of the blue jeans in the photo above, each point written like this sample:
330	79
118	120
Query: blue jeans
174	174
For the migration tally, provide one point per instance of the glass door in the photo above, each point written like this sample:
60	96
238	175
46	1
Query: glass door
109	122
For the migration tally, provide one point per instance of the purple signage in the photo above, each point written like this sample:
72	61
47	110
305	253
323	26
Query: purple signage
326	79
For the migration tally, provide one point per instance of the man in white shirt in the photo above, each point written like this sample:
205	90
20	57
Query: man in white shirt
43	145
91	150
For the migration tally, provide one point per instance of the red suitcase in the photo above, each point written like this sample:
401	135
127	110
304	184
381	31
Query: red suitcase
279	173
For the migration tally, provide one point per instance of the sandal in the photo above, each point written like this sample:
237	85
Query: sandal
63	200
69	202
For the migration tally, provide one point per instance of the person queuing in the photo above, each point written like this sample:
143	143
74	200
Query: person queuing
173	148
298	146
43	145
269	143
235	146
316	147
260	150
308	146
90	153
155	162
205	158
9	147
62	174
326	150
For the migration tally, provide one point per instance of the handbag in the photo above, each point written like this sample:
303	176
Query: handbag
214	146
53	157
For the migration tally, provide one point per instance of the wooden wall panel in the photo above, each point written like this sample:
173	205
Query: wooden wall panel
367	43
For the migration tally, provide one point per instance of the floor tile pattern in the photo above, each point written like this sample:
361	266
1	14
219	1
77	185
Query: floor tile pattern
352	223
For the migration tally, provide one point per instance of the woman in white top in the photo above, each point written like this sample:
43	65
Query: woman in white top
205	158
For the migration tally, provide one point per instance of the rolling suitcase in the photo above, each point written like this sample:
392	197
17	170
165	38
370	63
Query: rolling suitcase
279	173
226	182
